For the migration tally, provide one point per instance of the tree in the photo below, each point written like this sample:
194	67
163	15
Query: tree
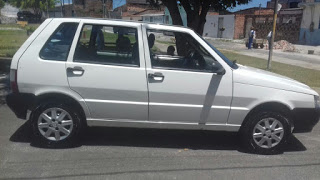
196	10
38	6
1	4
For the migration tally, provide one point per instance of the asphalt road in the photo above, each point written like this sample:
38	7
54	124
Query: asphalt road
122	153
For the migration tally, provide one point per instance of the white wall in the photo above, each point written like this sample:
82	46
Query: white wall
211	26
9	11
311	13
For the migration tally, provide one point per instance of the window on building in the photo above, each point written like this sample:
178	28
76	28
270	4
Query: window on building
111	45
58	46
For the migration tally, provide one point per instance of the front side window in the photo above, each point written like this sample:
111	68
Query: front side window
179	51
58	46
111	45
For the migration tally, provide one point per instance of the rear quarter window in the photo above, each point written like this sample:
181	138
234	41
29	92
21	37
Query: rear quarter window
58	45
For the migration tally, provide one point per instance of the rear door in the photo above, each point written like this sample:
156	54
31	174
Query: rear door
107	69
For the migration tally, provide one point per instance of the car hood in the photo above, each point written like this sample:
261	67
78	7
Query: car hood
257	77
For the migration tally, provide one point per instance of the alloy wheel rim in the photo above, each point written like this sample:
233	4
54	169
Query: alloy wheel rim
55	124
268	133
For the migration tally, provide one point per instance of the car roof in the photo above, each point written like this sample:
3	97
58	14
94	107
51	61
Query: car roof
122	20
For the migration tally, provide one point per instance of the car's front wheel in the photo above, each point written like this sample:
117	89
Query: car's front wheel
56	124
266	132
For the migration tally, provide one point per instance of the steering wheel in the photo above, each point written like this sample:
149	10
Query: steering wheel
190	62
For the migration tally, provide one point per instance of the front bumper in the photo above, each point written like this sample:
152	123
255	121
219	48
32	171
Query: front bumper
304	119
19	103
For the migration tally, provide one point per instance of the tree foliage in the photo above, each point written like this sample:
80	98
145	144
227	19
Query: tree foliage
1	4
36	5
196	10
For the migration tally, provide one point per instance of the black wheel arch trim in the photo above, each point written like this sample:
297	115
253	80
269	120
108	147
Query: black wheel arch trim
19	103
300	119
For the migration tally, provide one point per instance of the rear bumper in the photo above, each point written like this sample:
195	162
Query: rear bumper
304	119
19	103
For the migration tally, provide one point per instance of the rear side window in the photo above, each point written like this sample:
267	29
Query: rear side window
58	46
111	45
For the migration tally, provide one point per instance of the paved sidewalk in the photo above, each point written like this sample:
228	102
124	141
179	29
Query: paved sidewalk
292	58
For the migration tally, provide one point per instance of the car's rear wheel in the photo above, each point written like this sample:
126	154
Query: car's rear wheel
56	124
266	132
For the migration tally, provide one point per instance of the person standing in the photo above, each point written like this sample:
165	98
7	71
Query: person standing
252	35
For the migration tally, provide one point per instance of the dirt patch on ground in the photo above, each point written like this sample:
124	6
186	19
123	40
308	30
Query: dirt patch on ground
285	46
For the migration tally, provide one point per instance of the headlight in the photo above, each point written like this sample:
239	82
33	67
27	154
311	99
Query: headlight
317	102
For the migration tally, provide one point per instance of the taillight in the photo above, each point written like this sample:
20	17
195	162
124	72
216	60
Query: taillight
13	80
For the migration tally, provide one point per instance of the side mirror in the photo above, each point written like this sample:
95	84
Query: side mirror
221	71
218	70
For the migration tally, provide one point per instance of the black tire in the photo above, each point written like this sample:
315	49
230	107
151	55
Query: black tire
261	46
248	128
247	44
255	45
71	140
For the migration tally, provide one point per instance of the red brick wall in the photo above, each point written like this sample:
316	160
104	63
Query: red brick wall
263	12
239	26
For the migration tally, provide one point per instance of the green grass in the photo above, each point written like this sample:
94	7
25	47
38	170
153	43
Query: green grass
304	75
10	41
166	42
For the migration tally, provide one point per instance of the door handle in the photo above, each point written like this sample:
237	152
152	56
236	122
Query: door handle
77	70
156	76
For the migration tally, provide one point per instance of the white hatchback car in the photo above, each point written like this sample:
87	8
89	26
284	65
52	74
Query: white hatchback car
73	73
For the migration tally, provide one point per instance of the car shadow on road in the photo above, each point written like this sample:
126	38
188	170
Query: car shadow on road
154	138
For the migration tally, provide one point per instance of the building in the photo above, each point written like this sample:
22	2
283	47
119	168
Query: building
146	15
288	23
285	3
310	25
243	20
219	26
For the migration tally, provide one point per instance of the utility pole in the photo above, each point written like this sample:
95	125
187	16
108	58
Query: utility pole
104	9
275	14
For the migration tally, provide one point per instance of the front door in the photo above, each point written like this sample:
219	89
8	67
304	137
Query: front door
183	85
108	71
220	27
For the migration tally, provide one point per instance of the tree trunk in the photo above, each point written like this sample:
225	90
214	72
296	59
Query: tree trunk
196	14
174	11
176	20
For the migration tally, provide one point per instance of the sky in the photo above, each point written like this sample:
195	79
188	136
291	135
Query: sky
252	3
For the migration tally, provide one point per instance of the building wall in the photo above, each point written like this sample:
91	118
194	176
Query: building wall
154	19
311	14
211	28
239	23
132	18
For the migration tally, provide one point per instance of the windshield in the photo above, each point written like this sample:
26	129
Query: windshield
229	62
